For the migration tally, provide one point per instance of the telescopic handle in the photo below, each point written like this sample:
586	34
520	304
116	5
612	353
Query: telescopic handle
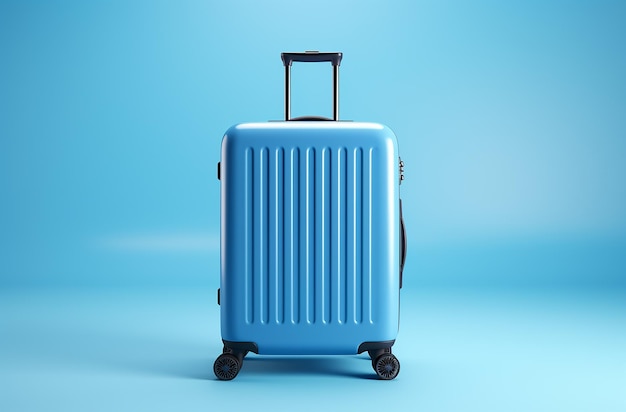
312	56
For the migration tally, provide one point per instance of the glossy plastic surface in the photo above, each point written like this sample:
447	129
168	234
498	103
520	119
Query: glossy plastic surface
309	236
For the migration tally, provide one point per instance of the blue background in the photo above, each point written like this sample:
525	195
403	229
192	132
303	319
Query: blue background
511	122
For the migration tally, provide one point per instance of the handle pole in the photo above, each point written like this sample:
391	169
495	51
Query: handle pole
287	92
336	92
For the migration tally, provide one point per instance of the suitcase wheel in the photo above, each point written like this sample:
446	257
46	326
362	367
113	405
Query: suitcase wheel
226	367
386	366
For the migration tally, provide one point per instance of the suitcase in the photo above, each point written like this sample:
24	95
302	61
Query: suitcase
312	237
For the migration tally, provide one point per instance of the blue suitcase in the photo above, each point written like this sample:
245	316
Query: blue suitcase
312	237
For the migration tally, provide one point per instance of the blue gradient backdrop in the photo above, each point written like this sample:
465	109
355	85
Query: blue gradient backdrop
511	119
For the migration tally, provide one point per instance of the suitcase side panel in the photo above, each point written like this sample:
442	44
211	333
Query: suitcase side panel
309	237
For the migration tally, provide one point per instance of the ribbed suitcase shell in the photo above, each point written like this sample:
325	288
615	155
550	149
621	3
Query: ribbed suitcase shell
309	236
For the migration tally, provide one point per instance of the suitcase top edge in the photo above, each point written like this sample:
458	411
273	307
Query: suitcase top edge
308	125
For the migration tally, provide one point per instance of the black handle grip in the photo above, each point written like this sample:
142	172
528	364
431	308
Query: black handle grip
311	56
402	244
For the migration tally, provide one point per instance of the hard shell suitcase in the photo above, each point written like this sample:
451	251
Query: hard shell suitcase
312	237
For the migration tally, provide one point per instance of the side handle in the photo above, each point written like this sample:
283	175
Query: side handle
402	244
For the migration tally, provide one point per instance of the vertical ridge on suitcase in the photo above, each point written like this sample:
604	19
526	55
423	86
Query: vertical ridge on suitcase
338	256
355	255
276	245
308	225
292	233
